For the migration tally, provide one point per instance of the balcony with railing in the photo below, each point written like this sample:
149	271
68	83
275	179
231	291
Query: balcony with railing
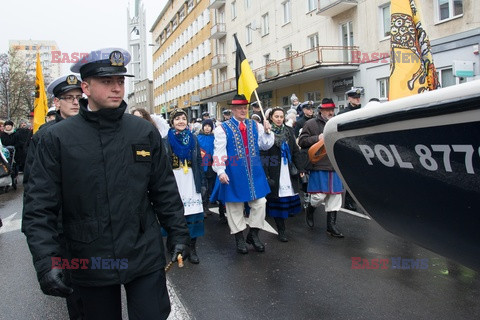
215	4
219	61
218	30
331	8
325	56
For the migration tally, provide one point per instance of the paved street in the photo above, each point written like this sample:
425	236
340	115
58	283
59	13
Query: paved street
310	277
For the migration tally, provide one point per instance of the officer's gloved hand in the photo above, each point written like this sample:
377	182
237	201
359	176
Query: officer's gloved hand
52	284
182	249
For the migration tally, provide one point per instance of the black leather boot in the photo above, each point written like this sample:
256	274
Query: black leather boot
254	240
282	236
331	225
206	209
241	245
193	252
309	216
221	212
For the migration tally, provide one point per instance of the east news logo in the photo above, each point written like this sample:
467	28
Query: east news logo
392	263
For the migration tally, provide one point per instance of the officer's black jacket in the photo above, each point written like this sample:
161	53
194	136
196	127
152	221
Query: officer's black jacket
109	174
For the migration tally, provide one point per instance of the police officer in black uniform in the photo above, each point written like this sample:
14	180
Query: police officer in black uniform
353	96
108	172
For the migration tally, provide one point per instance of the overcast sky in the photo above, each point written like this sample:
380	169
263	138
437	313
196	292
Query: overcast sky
76	26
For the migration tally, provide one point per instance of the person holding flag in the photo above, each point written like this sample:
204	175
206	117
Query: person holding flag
237	162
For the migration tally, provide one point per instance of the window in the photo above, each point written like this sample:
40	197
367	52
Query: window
265	26
247	4
266	58
234	44
449	9
347	38
313	41
382	85
385	20
313	96
190	5
234	9
287	50
446	77
248	34
285	101
287	11
311	5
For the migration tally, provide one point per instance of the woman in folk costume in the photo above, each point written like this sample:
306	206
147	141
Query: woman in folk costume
184	151
283	163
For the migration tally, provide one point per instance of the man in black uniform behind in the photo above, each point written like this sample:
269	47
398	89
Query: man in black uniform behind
353	96
108	172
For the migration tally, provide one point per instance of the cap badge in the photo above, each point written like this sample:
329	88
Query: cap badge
117	59
71	80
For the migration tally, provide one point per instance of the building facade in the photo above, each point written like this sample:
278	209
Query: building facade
181	63
27	49
313	48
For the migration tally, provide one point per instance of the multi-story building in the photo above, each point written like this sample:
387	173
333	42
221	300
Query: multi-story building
144	95
27	49
312	48
181	63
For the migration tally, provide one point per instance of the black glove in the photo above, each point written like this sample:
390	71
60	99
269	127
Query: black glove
52	284
182	249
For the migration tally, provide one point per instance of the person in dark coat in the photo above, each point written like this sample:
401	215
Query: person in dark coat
307	114
353	96
324	184
24	134
67	92
109	174
183	152
283	163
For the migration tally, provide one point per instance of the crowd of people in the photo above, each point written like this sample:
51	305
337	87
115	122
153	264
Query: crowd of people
117	181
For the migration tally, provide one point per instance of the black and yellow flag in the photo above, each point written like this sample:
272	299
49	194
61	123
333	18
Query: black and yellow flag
246	82
411	62
40	106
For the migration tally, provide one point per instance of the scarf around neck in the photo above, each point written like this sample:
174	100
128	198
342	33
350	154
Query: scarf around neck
182	143
281	141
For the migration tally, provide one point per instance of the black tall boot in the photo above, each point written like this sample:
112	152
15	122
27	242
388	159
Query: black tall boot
221	212
254	240
193	252
282	236
309	216
240	241
331	225
206	210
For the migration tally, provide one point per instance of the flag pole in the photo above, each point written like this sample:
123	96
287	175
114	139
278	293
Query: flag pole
261	108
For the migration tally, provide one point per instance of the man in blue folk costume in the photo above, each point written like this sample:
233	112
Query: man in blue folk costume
237	162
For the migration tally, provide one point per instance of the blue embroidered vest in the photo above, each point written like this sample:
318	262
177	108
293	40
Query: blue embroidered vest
247	178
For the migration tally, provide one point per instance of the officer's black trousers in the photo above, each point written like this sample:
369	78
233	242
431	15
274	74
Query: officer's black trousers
147	298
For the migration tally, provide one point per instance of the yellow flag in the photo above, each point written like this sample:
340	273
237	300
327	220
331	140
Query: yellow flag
40	106
246	82
411	63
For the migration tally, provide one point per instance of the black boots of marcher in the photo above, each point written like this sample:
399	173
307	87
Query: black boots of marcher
221	213
282	236
309	216
193	251
331	225
240	241
254	240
